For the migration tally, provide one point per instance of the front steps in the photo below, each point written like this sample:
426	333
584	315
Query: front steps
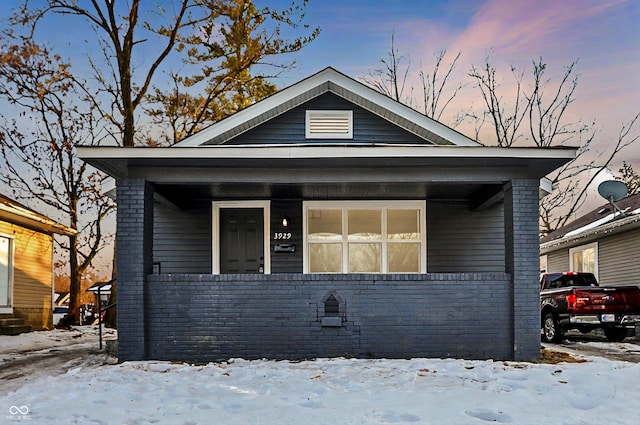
13	326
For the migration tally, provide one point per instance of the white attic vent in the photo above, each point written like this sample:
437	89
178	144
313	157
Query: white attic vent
329	125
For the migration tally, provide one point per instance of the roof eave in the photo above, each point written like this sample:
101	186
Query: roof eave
115	160
40	224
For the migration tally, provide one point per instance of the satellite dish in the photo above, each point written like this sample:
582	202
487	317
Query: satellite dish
613	191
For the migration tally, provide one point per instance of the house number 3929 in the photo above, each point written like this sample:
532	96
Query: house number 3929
282	235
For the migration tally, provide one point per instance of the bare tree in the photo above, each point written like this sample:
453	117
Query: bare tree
391	78
186	28
38	151
505	119
574	179
543	108
434	86
534	112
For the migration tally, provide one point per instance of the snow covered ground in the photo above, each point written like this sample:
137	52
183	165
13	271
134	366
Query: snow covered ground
328	391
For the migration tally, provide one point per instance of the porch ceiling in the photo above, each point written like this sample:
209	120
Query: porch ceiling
187	196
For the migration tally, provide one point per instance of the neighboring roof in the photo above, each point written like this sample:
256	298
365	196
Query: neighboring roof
604	220
328	80
16	213
104	287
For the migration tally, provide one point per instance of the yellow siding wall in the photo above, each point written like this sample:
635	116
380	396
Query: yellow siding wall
32	275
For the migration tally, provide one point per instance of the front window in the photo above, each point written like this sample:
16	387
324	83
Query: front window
584	259
365	237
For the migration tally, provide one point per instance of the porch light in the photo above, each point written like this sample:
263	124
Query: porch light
285	221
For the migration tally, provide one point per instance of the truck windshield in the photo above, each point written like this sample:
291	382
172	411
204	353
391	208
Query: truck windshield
563	280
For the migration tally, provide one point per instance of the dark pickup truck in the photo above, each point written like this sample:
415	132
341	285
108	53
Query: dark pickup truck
572	300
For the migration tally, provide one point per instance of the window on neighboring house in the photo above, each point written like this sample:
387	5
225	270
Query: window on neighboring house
365	237
5	271
584	259
543	263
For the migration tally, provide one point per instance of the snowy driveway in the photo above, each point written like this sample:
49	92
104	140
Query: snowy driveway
596	344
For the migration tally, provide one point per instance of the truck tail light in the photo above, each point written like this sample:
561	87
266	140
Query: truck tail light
574	302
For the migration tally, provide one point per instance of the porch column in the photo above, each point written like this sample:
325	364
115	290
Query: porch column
134	261
522	262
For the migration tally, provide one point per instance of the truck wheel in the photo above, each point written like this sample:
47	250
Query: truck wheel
551	330
615	334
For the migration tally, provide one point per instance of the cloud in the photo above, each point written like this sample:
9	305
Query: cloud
602	35
524	28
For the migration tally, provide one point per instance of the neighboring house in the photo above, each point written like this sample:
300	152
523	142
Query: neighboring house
26	266
327	220
604	242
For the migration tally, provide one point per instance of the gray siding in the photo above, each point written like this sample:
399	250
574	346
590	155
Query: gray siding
619	259
208	318
461	240
182	239
558	261
290	126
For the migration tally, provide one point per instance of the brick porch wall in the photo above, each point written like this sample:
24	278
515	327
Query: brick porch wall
215	317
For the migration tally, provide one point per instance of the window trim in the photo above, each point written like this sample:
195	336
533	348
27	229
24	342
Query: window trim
544	258
9	309
582	248
421	206
215	213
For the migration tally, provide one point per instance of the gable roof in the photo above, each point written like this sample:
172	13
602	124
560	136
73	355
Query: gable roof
328	80
16	213
602	220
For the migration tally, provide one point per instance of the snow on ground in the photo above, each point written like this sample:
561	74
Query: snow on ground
331	391
28	357
57	338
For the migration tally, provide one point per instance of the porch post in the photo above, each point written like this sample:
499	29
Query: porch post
522	262
134	261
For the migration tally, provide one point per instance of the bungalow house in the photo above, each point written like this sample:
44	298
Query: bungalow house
26	267
605	242
327	220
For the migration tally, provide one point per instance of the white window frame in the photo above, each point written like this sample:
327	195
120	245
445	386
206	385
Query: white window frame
215	250
580	248
544	259
346	114
364	205
9	309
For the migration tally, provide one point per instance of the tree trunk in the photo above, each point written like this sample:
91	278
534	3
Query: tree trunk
73	316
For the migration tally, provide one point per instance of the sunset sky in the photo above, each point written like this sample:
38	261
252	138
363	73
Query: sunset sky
603	35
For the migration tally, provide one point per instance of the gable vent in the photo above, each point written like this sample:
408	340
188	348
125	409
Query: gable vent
329	125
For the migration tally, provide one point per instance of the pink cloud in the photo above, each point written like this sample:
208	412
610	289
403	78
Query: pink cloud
603	35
